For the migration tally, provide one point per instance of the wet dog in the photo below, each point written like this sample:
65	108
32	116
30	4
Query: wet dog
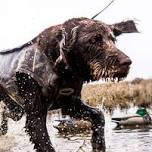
48	72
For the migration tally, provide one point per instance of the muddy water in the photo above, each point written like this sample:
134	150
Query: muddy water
124	140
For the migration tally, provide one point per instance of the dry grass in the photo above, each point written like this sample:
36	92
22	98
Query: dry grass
122	94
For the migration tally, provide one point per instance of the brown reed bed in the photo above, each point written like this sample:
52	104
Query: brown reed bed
123	94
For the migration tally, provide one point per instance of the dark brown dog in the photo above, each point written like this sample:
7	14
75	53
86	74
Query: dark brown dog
48	73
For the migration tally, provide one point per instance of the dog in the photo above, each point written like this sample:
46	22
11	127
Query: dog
48	72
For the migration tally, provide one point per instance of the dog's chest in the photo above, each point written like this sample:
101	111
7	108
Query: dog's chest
68	84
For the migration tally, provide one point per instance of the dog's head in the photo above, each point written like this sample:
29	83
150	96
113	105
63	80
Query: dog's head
95	45
89	47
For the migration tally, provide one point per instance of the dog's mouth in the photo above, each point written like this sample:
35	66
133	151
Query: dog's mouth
114	73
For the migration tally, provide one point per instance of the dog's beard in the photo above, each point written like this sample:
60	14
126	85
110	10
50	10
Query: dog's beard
107	71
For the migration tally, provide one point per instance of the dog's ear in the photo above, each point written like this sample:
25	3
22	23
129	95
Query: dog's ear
128	26
51	42
49	39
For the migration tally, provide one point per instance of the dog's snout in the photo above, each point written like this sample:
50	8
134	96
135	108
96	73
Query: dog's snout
126	61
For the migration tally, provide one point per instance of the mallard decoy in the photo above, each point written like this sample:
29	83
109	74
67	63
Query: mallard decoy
141	117
135	120
73	126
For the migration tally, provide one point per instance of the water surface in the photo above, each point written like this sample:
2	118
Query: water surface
121	140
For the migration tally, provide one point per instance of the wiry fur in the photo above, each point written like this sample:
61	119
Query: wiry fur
89	53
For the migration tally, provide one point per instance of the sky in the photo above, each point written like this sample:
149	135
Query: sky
22	20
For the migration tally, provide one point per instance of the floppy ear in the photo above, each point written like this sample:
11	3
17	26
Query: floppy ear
124	27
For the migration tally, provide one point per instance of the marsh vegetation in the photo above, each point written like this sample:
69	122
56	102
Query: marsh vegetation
123	94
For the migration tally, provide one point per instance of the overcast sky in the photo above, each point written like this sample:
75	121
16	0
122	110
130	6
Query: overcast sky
21	20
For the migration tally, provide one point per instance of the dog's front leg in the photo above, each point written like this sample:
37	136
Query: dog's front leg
76	108
36	128
4	123
36	110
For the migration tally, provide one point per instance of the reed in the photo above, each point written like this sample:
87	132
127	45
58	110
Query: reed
123	94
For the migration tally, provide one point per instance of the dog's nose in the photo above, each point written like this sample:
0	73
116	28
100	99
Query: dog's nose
125	61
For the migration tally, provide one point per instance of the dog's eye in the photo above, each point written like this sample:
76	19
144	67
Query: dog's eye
96	39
